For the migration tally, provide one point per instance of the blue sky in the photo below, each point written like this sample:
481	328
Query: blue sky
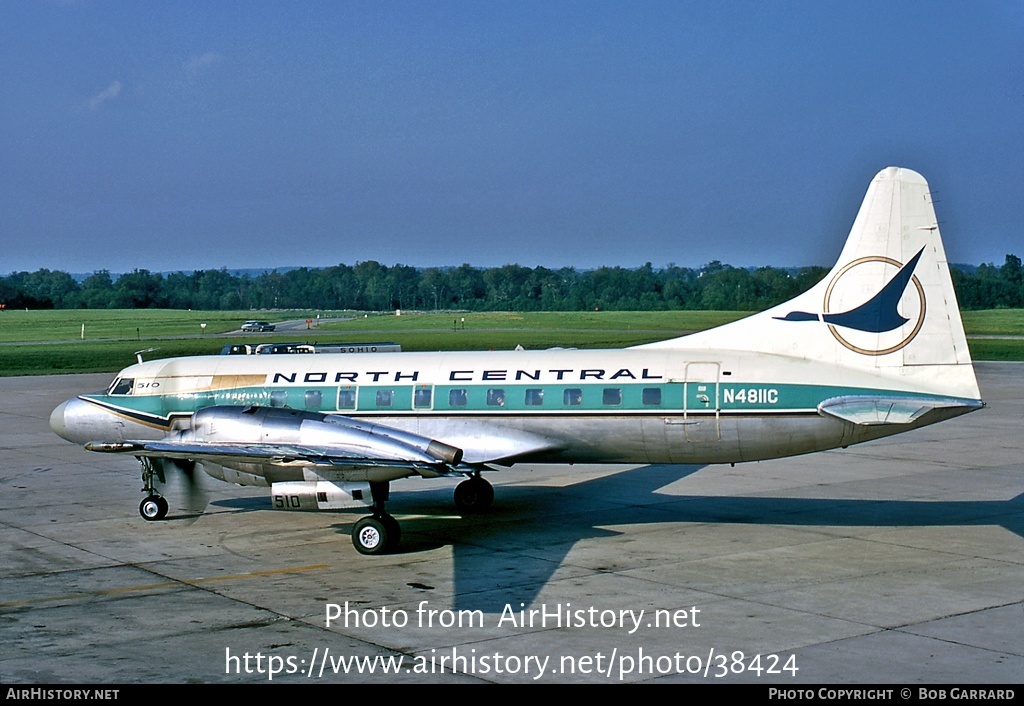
198	135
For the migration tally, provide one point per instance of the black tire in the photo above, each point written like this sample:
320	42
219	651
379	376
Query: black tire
473	495
153	508
394	532
372	535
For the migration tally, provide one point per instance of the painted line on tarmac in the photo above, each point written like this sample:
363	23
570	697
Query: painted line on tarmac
164	584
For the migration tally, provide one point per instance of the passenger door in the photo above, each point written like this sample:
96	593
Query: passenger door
701	407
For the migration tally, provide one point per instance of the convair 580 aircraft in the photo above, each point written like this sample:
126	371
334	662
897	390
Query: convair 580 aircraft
876	348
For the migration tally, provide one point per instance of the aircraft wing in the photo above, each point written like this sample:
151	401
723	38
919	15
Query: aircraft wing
867	410
280	436
278	454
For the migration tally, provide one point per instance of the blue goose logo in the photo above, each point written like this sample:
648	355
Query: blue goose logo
875	326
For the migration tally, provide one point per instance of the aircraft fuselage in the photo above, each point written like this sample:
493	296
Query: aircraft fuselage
621	406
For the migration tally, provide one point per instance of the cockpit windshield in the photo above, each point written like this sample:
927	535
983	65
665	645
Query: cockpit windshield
121	386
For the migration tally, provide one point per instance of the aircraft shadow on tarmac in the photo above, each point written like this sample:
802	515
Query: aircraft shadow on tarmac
508	555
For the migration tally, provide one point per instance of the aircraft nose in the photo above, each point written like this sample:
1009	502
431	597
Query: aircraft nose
60	416
57	420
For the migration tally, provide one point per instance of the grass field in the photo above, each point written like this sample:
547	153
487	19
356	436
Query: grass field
994	322
123	324
48	342
654	321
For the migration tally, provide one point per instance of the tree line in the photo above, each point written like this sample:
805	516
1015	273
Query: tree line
371	286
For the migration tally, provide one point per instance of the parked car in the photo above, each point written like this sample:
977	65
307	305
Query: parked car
254	325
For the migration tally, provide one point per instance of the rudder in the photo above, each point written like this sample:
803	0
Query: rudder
888	303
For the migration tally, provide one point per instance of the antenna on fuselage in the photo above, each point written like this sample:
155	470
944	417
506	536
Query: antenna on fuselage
138	354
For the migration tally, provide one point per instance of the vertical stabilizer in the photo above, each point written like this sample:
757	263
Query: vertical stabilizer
888	304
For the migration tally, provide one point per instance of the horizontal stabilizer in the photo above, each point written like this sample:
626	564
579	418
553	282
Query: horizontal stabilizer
868	411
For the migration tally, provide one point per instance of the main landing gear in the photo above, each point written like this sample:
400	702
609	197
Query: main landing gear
380	533
473	496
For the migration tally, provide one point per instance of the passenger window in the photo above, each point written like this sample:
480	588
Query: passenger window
313	399
346	399
534	397
496	397
572	397
652	396
458	398
612	396
422	398
279	398
385	397
122	386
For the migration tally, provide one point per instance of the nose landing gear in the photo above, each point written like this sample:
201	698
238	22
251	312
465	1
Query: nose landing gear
154	507
378	533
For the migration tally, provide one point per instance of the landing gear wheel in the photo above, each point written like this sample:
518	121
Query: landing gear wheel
376	534
153	508
473	495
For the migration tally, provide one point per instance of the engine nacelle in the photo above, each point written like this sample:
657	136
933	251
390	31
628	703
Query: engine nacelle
319	495
268	425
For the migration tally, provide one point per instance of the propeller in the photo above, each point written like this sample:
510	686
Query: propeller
180	477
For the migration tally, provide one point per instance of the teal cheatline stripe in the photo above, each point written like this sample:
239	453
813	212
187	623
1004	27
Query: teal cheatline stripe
496	399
